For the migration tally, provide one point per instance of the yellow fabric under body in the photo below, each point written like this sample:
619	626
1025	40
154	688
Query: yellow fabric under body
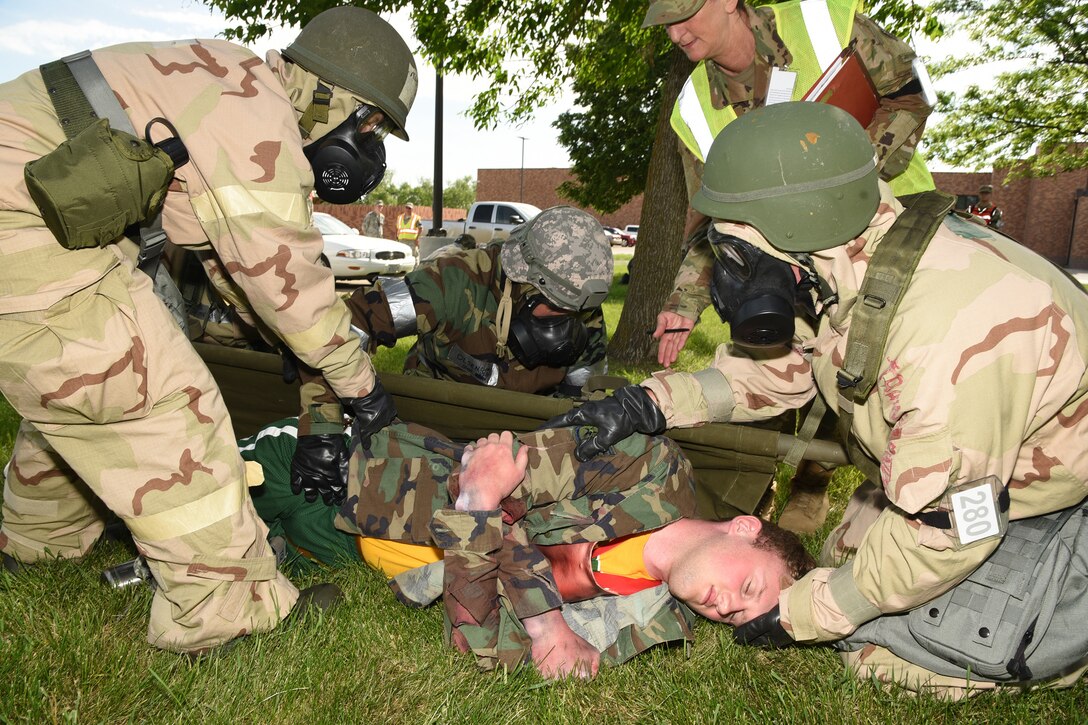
395	557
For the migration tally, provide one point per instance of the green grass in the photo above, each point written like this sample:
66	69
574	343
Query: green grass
72	651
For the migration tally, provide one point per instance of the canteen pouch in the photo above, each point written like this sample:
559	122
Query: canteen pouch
94	186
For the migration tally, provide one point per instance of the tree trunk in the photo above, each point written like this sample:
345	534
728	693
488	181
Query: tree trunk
660	237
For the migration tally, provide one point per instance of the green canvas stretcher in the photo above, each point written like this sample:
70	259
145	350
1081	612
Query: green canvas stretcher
734	464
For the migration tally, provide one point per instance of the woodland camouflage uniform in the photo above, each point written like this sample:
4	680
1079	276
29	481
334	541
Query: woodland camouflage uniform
493	574
894	131
110	391
985	373
456	300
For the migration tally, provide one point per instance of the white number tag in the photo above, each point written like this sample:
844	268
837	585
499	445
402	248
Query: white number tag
975	511
780	88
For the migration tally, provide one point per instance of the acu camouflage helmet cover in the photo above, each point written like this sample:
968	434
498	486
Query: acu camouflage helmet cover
565	254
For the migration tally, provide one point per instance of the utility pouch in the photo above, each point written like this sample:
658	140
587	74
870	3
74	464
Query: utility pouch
94	186
103	181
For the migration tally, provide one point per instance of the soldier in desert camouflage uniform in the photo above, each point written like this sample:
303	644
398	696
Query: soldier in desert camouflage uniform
982	384
117	408
506	566
489	317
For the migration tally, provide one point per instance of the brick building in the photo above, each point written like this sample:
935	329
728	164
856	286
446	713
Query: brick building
1049	215
540	190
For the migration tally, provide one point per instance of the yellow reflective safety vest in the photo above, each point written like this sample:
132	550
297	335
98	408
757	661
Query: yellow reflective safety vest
815	31
408	227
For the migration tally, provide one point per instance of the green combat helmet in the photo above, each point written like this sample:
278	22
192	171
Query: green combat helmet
355	49
564	253
802	173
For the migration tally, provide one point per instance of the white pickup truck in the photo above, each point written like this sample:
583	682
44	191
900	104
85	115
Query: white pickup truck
486	222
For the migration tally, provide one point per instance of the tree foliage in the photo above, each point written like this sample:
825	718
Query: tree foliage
519	46
527	51
1042	105
618	89
458	194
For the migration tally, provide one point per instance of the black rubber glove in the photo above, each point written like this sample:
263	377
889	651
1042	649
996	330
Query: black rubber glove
766	631
372	412
320	466
628	410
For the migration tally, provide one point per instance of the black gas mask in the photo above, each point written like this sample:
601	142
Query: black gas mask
556	341
349	160
757	294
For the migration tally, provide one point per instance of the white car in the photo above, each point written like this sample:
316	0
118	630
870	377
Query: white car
350	255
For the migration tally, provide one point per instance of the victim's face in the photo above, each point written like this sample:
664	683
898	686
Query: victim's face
726	579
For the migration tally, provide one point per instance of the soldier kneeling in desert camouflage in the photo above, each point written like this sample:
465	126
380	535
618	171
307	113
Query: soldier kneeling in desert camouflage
537	556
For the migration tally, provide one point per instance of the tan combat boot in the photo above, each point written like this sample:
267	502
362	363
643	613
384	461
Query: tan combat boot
806	509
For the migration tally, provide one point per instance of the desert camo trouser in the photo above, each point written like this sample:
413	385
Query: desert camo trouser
874	662
119	411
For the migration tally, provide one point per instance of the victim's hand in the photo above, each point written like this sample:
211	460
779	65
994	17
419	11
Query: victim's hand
557	651
490	472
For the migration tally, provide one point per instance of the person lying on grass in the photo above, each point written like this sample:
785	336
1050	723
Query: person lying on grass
537	557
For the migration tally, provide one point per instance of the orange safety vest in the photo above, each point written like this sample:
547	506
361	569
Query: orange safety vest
408	231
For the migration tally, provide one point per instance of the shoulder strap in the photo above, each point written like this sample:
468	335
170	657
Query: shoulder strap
890	270
74	111
80	95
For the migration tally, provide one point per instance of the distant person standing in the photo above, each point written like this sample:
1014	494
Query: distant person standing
409	225
987	212
374	222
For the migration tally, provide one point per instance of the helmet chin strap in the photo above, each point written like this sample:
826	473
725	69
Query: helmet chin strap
503	316
318	110
824	294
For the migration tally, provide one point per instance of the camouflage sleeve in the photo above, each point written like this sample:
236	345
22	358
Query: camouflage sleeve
691	287
248	186
736	388
493	578
643	483
899	122
668	623
693	168
370	312
456	298
899	565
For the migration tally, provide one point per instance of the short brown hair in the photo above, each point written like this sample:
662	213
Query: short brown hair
787	545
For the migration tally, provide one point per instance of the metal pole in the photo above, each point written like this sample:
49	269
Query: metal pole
437	229
521	195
